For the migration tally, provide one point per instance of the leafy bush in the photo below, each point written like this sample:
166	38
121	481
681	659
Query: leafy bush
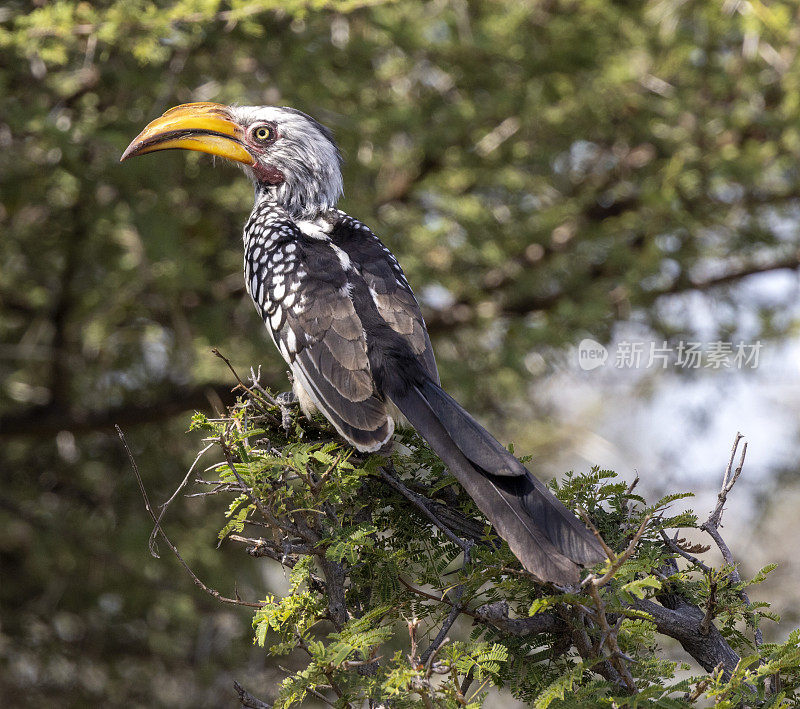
386	553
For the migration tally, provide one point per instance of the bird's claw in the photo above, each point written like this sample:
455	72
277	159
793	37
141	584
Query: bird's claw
286	400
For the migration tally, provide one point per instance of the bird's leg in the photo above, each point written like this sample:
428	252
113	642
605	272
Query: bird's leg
287	400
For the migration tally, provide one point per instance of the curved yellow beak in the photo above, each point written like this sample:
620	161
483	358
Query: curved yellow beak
205	127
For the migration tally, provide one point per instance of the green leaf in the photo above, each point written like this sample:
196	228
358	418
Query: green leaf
638	587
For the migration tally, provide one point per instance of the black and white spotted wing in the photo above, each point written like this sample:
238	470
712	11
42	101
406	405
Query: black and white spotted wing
388	287
301	289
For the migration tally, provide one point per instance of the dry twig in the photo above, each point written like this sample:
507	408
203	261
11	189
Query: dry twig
165	505
211	591
714	522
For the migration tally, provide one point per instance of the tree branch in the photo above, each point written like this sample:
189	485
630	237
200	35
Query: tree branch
496	615
464	311
424	505
455	611
248	700
714	521
683	622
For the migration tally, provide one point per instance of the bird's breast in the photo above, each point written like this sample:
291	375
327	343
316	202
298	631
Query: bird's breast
274	274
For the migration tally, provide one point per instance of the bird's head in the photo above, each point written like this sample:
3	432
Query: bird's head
290	157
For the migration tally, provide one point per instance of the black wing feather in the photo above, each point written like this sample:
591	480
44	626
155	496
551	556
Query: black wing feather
390	292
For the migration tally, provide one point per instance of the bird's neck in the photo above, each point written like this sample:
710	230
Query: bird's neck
283	197
268	209
267	201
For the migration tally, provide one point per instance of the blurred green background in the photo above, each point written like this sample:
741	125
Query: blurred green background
546	171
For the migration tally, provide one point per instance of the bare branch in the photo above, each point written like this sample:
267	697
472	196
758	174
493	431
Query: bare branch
609	552
210	591
253	394
674	546
285	554
255	378
728	481
248	700
166	504
712	524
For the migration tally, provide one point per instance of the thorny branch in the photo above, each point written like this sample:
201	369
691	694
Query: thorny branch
609	638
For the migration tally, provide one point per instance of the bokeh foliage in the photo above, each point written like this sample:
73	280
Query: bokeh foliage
542	169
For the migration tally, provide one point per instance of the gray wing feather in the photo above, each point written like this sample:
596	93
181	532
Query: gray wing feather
332	365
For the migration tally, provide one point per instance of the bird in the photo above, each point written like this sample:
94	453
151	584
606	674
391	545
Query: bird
338	307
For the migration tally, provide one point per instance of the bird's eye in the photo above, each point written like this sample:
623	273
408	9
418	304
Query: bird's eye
264	134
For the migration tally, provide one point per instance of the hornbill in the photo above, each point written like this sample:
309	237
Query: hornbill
340	310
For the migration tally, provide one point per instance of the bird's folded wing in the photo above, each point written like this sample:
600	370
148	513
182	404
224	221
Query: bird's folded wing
323	340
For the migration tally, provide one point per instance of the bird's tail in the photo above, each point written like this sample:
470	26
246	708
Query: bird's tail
542	533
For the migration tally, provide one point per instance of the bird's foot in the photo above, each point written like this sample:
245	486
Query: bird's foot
287	400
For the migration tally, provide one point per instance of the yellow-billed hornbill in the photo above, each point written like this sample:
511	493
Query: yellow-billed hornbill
341	312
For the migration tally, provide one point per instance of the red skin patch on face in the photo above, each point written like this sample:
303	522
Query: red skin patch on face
265	173
268	174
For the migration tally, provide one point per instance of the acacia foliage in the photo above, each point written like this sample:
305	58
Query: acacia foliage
384	553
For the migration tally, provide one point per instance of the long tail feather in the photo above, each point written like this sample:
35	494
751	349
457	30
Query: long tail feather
547	539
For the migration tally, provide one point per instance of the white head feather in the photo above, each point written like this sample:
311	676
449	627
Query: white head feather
304	152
